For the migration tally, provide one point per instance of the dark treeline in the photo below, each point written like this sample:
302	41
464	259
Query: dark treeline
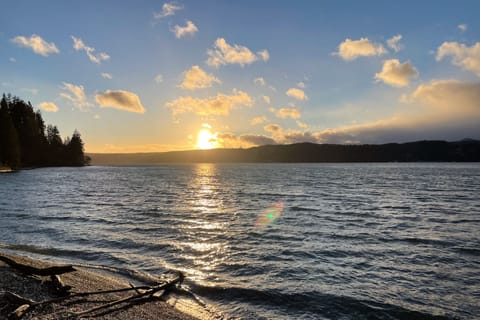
427	151
25	140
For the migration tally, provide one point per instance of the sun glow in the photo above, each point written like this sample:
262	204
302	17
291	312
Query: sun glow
206	140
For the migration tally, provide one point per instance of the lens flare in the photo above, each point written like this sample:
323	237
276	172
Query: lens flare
269	215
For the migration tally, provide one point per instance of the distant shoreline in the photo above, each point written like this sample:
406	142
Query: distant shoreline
467	150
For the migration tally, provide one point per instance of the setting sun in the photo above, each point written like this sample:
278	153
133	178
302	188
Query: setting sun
205	140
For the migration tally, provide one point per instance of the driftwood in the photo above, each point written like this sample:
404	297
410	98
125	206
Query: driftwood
58	286
145	293
24	305
56	270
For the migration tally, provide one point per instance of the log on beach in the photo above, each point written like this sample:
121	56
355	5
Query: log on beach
26	294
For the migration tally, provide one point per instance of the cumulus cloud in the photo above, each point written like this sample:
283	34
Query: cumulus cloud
106	76
258	120
79	45
352	49
259	81
220	104
197	78
121	100
296	93
288	113
396	74
168	9
48	106
301	85
264	55
75	94
467	58
266	99
37	44
223	53
189	30
394	44
462	27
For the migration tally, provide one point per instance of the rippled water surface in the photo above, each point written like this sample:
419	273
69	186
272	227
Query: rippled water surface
333	241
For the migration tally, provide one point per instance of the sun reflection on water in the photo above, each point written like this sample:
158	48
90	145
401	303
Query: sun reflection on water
206	229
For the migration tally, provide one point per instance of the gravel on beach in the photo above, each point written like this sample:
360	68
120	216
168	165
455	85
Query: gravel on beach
37	289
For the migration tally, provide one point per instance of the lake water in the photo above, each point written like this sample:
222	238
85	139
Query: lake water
271	241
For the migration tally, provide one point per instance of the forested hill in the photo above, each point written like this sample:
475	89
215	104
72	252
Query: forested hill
433	151
25	140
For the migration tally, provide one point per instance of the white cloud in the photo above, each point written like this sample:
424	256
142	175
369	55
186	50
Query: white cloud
259	81
76	95
352	49
48	106
394	44
258	120
224	53
468	58
266	99
189	30
220	104
121	100
264	55
462	27
397	74
158	78
37	44
106	76
301	85
197	78
168	9
288	113
297	94
79	45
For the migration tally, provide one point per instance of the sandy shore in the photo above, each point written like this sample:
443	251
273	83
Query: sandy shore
37	289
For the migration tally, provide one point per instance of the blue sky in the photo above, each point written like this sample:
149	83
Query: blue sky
141	76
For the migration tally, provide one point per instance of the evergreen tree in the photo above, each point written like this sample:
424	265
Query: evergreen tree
9	144
75	150
26	141
55	146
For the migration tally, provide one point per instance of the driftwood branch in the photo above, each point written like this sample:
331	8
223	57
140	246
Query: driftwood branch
24	305
37	271
152	292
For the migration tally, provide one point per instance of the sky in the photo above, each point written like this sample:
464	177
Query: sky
148	76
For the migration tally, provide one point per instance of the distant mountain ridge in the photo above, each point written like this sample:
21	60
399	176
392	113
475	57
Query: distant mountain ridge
467	150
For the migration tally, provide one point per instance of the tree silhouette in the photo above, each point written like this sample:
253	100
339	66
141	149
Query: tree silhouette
24	142
9	144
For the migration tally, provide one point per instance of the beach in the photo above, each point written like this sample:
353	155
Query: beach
36	288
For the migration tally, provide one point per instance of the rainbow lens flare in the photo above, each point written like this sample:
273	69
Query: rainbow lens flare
269	215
